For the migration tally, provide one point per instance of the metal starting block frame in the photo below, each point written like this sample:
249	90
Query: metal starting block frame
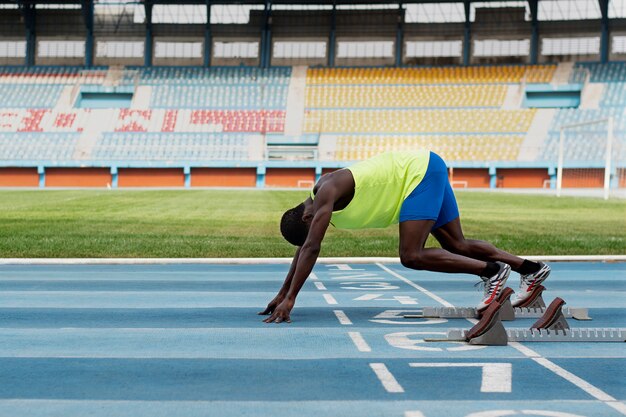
532	308
551	327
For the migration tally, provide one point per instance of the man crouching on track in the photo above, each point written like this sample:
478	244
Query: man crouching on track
410	188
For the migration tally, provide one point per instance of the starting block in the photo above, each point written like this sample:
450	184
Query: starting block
551	327
532	308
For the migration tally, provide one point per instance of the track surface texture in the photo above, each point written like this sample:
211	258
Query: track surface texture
185	340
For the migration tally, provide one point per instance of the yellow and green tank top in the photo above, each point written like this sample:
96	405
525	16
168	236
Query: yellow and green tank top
381	184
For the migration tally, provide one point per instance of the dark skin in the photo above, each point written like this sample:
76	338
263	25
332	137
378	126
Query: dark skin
334	192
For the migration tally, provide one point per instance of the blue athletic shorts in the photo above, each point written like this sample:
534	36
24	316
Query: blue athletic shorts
433	198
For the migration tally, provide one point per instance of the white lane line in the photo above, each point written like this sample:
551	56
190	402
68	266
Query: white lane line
386	378
529	353
579	382
417	287
496	376
320	286
359	342
313	276
330	299
342	317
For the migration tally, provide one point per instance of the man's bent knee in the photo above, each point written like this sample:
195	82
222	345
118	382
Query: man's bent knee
412	259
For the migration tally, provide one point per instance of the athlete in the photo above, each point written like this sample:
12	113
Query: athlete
410	188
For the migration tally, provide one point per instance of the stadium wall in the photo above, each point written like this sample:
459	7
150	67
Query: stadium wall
278	176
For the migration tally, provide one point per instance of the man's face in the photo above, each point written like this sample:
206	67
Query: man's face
307	216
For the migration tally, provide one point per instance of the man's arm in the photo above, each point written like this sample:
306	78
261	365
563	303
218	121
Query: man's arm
284	289
323	209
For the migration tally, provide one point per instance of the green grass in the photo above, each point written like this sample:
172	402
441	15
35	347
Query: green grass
216	223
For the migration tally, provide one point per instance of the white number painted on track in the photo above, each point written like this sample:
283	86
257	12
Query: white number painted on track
402	340
368	286
496	376
402	299
397	317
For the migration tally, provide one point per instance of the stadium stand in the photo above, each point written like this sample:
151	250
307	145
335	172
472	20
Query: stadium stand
37	146
433	75
356	103
171	147
199	115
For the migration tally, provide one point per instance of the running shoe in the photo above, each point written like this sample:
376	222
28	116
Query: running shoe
494	285
529	282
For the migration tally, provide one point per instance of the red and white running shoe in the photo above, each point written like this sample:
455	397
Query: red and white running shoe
494	285
529	282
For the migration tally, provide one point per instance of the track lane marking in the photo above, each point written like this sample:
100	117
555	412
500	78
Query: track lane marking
359	342
414	285
330	299
590	389
386	378
342	317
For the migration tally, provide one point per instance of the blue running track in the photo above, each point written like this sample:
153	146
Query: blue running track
185	340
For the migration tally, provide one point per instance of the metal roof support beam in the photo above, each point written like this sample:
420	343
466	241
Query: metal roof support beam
208	36
467	34
400	35
266	37
332	36
605	33
87	9
534	31
30	17
149	44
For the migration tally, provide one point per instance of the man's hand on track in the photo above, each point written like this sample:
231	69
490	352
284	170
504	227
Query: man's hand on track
282	312
272	305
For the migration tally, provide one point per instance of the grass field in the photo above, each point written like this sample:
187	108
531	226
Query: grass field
220	223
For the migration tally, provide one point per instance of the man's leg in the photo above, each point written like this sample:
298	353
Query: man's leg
451	238
413	235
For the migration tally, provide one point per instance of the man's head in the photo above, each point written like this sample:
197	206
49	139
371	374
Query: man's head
294	224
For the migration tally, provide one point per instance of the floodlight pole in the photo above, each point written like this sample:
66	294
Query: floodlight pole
604	33
29	13
266	37
534	31
400	35
149	39
87	9
208	37
467	34
332	37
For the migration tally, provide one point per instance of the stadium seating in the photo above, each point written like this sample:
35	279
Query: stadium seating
197	113
30	95
37	146
379	96
377	109
171	147
450	147
219	97
213	75
432	75
419	121
605	73
53	75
